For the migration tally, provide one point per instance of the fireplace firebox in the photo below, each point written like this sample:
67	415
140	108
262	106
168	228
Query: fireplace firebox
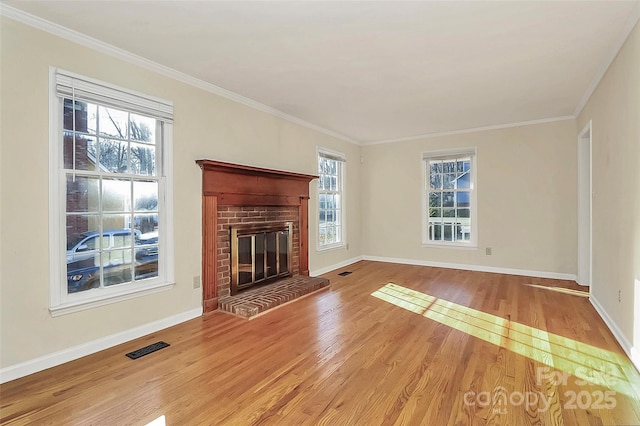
260	252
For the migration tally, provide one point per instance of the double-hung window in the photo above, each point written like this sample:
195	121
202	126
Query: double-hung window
110	197
331	203
449	212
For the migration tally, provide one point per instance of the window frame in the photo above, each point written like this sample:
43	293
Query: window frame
342	164
60	301
473	203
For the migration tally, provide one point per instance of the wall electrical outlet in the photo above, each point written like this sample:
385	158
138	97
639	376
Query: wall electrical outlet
196	282
619	295
488	251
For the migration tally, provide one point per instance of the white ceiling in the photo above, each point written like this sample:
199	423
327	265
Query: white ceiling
372	71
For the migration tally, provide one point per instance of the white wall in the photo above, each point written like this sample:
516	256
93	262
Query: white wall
206	126
526	188
614	109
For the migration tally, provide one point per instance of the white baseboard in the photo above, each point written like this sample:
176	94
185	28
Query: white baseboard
631	352
51	360
335	266
479	268
634	355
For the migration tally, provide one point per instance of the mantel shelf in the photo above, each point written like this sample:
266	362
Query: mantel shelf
243	169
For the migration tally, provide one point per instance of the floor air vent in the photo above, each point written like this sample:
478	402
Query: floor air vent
345	273
147	350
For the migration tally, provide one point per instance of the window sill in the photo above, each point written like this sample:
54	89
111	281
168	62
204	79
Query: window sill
331	247
81	305
459	246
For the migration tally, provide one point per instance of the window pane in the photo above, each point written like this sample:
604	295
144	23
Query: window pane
330	215
331	234
113	122
116	257
142	129
463	232
85	116
83	243
448	212
81	230
463	199
463	164
338	234
322	166
116	267
121	239
83	194
115	222
85	154
449	181
436	232
145	195
447	232
435	167
449	166
447	199
146	264
116	195
435	199
464	181
464	213
113	155
329	201
435	181
143	159
146	224
83	272
326	184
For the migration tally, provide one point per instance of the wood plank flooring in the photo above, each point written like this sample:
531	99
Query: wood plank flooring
387	345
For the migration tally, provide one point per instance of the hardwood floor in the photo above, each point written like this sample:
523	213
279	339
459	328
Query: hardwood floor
388	344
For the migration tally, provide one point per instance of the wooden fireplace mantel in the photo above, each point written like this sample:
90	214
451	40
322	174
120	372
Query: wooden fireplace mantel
227	184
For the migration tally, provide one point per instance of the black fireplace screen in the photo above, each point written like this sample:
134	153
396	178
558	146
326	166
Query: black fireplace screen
259	252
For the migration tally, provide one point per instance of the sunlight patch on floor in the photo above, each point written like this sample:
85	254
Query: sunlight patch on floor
160	421
596	365
572	292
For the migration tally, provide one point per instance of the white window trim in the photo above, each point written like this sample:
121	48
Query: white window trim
343	216
473	241
60	303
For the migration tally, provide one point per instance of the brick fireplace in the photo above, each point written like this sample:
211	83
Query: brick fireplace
231	216
236	195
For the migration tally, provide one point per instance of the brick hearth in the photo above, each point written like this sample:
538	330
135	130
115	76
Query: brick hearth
250	303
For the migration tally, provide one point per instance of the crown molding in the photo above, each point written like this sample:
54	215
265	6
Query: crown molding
471	130
633	18
92	43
